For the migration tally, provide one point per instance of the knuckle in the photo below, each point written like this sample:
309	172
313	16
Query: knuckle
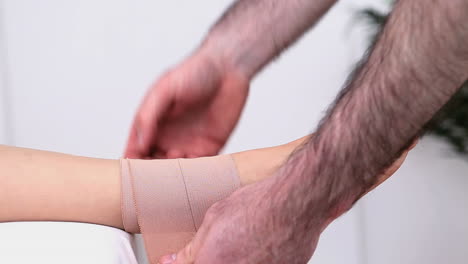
214	212
210	215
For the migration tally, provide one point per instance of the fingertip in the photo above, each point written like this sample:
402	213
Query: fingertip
184	256
131	150
158	155
129	154
168	259
144	135
197	153
175	154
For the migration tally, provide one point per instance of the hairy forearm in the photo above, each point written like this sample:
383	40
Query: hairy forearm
253	32
46	186
417	64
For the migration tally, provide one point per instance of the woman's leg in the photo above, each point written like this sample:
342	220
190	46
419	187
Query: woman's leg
45	186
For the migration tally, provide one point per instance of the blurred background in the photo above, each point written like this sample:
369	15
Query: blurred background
73	72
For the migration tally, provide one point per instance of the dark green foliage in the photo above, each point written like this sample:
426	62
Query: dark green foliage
451	122
375	19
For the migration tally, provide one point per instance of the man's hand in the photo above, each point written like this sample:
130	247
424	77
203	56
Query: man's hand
189	112
412	71
254	225
192	110
248	227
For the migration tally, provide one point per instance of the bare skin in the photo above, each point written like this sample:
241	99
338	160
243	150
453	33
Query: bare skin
184	114
46	186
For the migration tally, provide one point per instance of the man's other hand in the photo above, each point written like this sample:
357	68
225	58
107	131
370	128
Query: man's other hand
189	112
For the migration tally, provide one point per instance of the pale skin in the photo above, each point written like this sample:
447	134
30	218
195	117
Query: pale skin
47	186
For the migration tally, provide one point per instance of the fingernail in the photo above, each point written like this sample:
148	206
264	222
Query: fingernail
168	259
174	154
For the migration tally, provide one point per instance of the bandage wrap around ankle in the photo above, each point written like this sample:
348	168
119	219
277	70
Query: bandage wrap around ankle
166	200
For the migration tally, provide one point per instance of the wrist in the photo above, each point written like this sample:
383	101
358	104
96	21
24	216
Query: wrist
231	57
310	194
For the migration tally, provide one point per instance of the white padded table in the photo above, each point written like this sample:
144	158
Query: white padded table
60	243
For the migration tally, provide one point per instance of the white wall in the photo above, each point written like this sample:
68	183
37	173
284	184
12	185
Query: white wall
78	69
4	98
421	214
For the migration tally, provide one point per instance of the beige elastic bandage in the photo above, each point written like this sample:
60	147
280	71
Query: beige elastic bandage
166	200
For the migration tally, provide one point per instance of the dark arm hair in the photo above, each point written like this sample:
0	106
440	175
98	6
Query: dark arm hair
251	33
415	66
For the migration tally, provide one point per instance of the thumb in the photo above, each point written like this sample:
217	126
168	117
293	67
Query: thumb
132	149
185	256
145	124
